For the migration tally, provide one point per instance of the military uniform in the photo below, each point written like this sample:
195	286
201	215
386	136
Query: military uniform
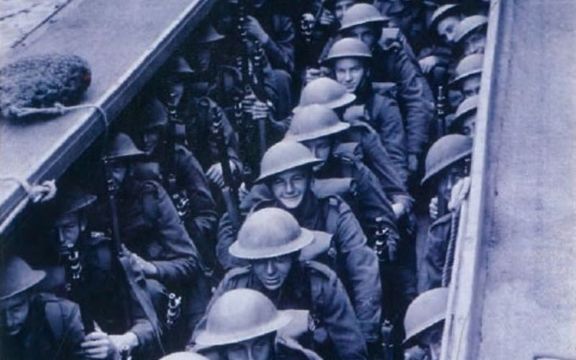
435	251
379	161
349	255
53	330
314	287
414	95
366	197
383	115
151	228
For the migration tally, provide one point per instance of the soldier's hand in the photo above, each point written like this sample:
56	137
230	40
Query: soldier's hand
428	63
354	113
124	343
255	29
433	208
413	163
312	74
459	193
298	326
242	192
139	264
97	345
327	18
215	174
399	209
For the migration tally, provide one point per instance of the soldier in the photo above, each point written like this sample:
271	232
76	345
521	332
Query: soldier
465	118
35	325
286	182
349	60
182	176
468	74
154	234
447	165
317	127
444	21
94	279
272	251
424	322
243	324
470	35
394	64
328	92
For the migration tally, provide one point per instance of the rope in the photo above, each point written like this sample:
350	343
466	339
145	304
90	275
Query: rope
446	271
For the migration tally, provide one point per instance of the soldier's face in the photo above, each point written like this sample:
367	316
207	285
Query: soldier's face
290	187
449	179
446	28
341	6
202	58
471	86
150	140
366	33
260	348
13	314
474	43
273	272
469	126
431	340
350	72
172	90
118	170
69	226
320	148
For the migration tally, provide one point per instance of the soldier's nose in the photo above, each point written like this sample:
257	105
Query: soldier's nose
270	267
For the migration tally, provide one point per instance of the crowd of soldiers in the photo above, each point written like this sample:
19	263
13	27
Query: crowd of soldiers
262	197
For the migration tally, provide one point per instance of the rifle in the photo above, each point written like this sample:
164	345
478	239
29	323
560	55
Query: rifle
174	309
251	84
386	244
74	286
230	191
136	288
388	345
441	111
179	198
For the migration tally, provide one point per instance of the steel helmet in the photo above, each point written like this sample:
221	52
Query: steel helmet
446	151
184	355
72	199
468	66
283	156
348	48
239	315
122	147
466	107
268	233
313	122
441	13
325	91
362	14
153	115
177	65
16	276
207	34
468	25
427	310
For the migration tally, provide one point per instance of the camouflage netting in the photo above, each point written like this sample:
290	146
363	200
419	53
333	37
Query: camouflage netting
41	82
